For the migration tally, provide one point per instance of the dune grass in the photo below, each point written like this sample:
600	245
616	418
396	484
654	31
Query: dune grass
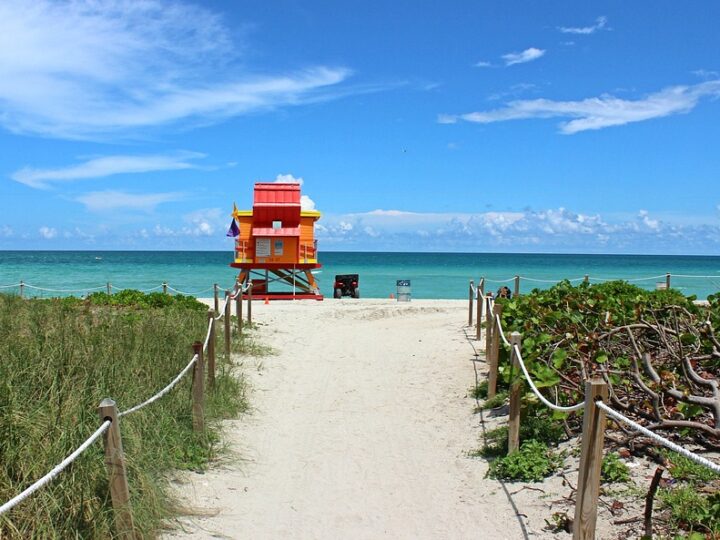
58	359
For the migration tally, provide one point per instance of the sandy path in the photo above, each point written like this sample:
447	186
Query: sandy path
360	429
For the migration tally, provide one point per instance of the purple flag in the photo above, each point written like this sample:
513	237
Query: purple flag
233	230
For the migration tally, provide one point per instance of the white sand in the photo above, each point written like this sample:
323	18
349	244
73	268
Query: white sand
360	428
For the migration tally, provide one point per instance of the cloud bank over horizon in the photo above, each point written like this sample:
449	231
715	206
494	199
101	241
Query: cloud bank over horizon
556	230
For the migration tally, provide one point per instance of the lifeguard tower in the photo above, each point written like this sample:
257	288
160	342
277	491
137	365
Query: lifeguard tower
275	243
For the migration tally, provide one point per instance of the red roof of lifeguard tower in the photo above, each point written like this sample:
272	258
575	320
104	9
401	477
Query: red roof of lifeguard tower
276	202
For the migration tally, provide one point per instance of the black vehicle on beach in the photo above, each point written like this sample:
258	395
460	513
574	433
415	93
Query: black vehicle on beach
346	285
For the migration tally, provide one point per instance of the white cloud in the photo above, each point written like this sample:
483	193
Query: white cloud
447	118
306	203
102	167
89	69
106	201
288	179
600	24
527	55
483	63
706	74
598	112
48	233
550	230
652	224
204	222
6	232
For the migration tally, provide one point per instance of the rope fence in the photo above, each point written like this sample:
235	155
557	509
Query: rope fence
114	456
109	287
667	277
49	477
595	409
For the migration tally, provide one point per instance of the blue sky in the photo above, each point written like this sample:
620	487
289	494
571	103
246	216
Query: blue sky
434	126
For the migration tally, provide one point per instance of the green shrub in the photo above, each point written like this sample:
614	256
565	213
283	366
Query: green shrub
690	510
479	391
498	400
533	462
683	468
613	469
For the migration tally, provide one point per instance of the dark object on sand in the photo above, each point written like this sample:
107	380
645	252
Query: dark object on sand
347	285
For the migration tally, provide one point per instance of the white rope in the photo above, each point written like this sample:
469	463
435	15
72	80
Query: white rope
576	407
657	438
209	333
162	392
553	406
148	290
62	290
140	290
692	276
645	278
239	289
502	334
500	280
9	286
474	290
221	312
540	280
188	293
56	470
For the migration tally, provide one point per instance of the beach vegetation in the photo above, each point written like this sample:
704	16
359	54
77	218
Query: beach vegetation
59	359
613	469
682	468
531	463
658	353
498	400
479	391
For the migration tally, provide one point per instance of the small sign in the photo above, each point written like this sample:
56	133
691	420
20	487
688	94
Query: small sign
262	247
403	282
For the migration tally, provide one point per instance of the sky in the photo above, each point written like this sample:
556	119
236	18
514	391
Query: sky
471	126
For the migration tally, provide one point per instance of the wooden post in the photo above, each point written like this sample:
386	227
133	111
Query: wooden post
494	358
515	389
198	389
109	288
215	297
517	286
117	475
250	303
488	327
238	309
164	287
228	311
667	280
586	279
22	289
211	349
471	295
593	436
478	316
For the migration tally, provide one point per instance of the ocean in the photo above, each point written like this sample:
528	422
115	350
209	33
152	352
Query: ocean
432	275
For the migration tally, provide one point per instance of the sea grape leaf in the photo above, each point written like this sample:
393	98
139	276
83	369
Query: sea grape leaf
559	357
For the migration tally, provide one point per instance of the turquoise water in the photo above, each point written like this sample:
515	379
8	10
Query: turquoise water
433	275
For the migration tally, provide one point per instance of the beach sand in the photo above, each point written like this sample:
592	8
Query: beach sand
361	425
